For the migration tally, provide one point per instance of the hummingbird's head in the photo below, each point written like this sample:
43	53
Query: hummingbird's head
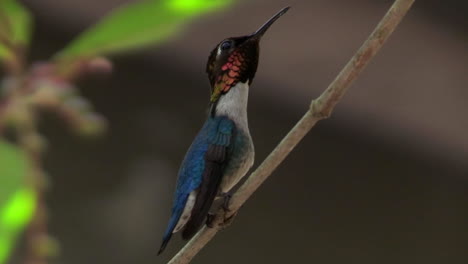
235	60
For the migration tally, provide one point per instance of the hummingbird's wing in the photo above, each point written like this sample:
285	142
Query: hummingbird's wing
201	171
216	158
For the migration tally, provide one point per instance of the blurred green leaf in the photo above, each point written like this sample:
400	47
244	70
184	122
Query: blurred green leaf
15	26
13	168
16	201
15	214
135	25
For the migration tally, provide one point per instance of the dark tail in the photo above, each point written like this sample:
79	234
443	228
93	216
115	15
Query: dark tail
176	213
164	243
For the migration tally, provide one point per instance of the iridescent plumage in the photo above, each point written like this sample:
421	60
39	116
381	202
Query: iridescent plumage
222	151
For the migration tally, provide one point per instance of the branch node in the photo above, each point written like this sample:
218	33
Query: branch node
318	111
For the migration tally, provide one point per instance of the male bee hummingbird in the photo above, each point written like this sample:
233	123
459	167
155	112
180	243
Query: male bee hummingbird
222	151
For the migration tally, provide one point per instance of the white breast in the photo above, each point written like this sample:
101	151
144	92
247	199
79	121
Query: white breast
234	105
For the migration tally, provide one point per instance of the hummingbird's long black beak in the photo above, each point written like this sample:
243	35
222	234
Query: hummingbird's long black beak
259	33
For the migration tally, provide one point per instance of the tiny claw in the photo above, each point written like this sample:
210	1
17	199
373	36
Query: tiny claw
229	214
227	221
210	220
226	201
223	219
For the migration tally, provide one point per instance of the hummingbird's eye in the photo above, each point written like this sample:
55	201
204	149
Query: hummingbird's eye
226	45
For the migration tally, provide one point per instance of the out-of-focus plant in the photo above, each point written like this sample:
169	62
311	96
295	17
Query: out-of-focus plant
26	88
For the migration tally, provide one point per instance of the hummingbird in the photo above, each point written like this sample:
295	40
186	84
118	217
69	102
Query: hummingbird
223	151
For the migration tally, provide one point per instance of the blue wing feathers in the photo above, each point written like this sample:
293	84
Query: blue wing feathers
216	158
209	146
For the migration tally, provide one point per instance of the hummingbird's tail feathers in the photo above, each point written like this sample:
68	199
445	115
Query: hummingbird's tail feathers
206	195
164	243
176	213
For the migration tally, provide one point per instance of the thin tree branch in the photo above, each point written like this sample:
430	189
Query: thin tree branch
320	108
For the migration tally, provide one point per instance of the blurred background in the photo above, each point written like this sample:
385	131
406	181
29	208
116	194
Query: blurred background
384	180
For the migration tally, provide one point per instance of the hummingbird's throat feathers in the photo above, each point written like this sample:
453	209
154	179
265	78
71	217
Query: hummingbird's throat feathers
229	76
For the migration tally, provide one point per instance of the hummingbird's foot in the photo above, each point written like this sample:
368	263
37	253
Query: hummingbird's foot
228	219
226	200
228	214
210	220
223	219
